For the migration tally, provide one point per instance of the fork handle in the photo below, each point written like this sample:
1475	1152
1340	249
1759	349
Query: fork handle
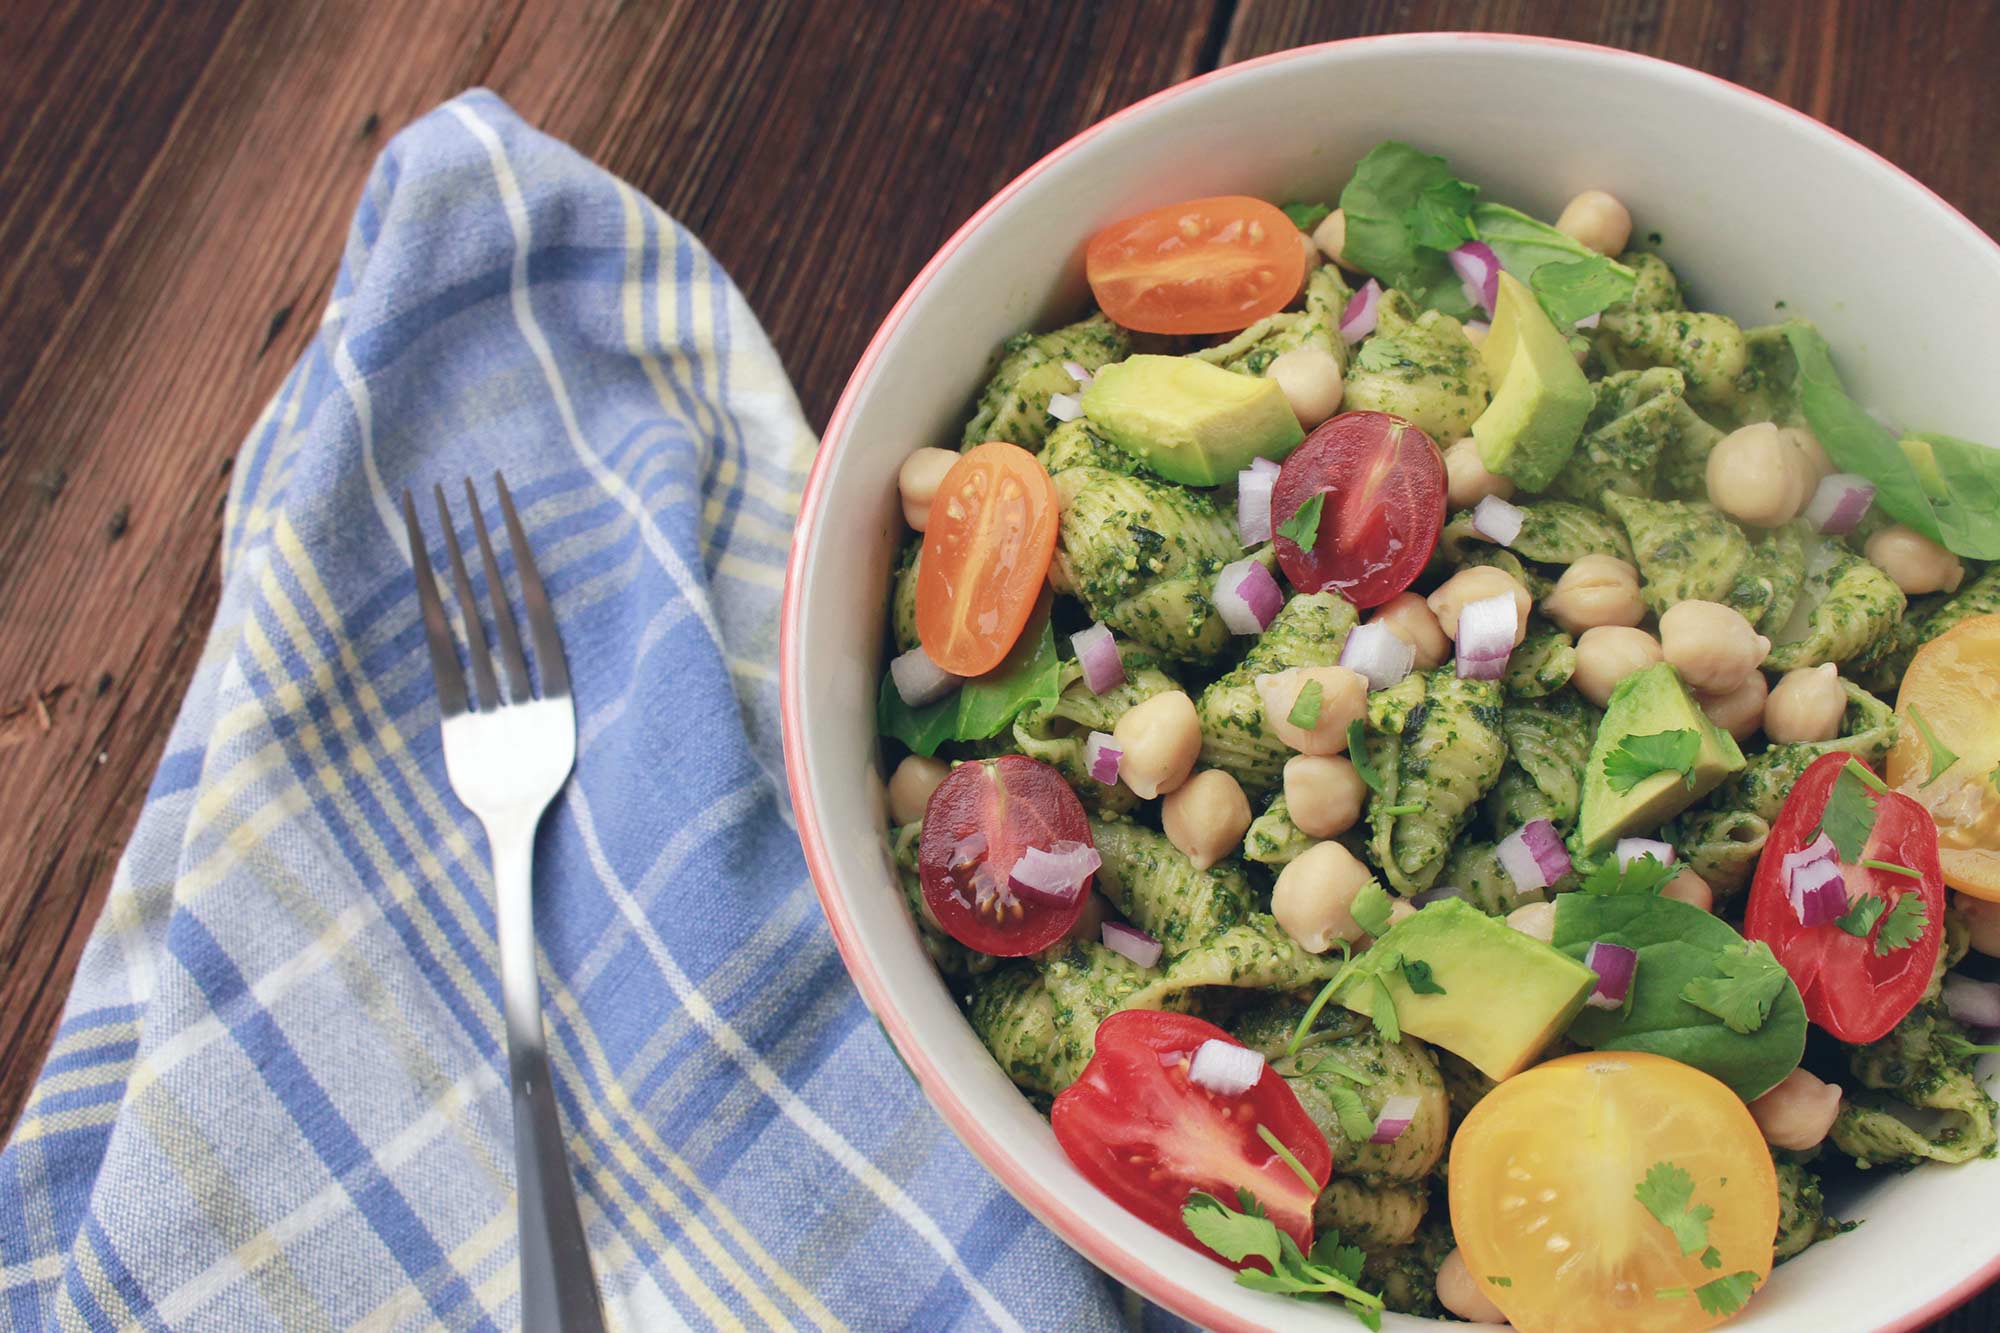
558	1287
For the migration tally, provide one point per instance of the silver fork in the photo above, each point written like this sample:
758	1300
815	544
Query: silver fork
506	761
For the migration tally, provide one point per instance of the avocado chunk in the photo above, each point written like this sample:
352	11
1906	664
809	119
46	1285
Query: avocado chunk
1649	703
1540	396
1494	997
1190	421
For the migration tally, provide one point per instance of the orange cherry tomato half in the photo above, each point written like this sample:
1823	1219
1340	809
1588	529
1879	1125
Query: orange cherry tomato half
986	557
1204	266
1383	484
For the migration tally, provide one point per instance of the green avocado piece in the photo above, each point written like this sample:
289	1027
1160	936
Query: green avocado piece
1647	703
1540	396
1502	996
1190	421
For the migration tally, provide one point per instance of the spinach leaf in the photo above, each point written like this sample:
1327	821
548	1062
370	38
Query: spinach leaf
1305	216
1678	944
1030	674
1571	280
1398	198
1962	481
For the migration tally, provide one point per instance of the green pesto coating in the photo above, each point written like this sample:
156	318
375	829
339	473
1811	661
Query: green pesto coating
1252	351
1447	756
1541	666
1015	404
1273	839
1632	424
1308	631
1685	550
1059	733
1553	532
1154	885
1909	1071
1709	350
1845	608
1548	742
1880	666
950	957
1655	286
1420	367
903	600
1802	1217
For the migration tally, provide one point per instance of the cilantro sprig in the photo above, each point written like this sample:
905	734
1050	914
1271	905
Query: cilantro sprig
1303	526
1667	1193
1752	980
1371	908
1860	919
1240	1234
1285	1155
1941	754
1903	926
1644	874
1726	1295
1637	758
1849	816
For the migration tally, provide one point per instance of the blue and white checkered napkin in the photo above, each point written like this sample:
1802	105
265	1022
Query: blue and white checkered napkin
278	1098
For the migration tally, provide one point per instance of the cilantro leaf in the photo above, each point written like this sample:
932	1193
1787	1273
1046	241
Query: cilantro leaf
1903	926
1941	755
1332	1269
1860	918
1711	1258
1382	1012
1667	1193
1305	708
1303	526
1233	1235
1346	1260
1637	758
1355	1122
1357	754
1417	973
1442	216
1501	1281
1645	874
1752	980
1322	1060
1726	1295
1370	908
1306	216
1849	816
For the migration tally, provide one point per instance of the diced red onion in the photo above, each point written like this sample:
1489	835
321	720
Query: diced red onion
1631	849
1077	373
1379	653
1839	503
1819	849
1817	892
1486	636
1496	520
1614	965
1065	406
1479	268
1394	1117
919	680
1131	943
1247	597
1358	320
1974	1003
1253	504
1055	875
966	852
1101	756
1226	1068
1533	856
1589	321
1097	654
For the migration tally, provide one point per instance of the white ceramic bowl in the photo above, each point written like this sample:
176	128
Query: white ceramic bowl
1759	206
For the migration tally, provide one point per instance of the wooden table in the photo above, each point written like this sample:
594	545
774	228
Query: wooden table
176	179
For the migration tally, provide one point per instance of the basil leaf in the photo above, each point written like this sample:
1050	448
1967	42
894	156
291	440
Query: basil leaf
1030	674
1571	280
1385	196
1306	216
1677	944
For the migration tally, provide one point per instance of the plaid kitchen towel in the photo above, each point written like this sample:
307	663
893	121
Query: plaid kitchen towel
278	1098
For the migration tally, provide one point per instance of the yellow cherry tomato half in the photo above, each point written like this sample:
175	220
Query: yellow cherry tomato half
1546	1175
1953	686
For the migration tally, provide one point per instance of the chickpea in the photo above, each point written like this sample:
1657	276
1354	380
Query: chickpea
911	785
1917	564
1690	888
1596	590
1808	705
1818	466
1535	919
1160	738
1206	817
1798	1112
1311	380
1314	896
1713	647
918	480
1459	1292
1982	919
1410	619
1331	235
1343	697
1400	911
1323	794
1466	478
1739	711
1476	584
1757	475
1598	220
1608	654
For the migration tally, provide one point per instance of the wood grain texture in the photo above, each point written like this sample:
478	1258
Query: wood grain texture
175	182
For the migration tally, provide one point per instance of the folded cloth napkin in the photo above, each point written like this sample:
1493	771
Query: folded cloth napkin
278	1097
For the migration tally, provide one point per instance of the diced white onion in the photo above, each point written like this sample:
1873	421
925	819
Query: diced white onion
1225	1067
1486	636
1379	653
1078	373
919	680
1497	520
1631	849
1065	406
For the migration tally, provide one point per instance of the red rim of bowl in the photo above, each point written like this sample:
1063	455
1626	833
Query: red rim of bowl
964	1121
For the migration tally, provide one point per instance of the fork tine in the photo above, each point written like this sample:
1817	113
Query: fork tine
444	657
541	617
475	633
518	689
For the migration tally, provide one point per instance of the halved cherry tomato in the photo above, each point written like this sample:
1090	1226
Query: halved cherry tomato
1849	989
1953	684
1204	266
986	557
1545	1173
1143	1134
1004	806
1384	487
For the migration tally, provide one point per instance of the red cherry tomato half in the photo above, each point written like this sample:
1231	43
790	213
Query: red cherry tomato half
1204	266
1383	484
1147	1137
1849	989
980	820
